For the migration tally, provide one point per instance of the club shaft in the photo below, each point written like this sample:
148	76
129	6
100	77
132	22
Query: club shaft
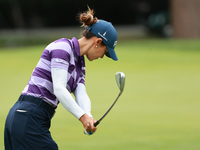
96	123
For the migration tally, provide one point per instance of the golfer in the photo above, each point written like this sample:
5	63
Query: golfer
59	72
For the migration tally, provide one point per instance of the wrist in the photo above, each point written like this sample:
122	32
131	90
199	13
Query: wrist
82	118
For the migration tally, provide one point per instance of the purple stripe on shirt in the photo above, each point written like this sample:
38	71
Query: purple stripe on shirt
60	54
70	81
82	81
71	69
46	55
39	72
34	89
72	84
76	46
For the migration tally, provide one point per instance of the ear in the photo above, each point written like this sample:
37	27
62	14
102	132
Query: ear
97	41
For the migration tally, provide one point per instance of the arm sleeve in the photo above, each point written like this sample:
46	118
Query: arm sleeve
59	77
83	99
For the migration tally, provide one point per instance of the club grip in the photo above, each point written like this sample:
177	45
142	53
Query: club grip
96	123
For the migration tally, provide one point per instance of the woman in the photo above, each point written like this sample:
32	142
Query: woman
59	72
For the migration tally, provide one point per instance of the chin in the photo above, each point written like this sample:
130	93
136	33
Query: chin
90	59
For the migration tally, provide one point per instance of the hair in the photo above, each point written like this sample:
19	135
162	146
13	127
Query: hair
87	19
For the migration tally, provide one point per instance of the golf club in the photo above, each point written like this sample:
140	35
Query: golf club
120	79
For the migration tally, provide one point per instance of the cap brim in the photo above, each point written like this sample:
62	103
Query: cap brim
112	53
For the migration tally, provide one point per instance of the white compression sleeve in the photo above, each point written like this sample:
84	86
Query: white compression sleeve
83	99
59	77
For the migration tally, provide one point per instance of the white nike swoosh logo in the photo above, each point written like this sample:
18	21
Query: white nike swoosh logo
19	110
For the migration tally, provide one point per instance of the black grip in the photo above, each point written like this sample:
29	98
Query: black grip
96	123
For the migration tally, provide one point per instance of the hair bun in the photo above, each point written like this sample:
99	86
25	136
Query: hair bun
87	18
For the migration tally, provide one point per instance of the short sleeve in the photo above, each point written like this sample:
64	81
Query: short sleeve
60	55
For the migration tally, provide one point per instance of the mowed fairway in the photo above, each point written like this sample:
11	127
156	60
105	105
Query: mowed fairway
158	110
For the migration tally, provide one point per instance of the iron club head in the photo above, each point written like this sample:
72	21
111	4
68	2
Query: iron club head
120	78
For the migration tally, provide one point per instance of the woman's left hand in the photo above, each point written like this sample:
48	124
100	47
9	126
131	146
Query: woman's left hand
88	123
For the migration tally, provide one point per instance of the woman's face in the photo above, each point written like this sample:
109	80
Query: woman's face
96	51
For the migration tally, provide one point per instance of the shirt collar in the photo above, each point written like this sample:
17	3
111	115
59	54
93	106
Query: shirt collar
76	46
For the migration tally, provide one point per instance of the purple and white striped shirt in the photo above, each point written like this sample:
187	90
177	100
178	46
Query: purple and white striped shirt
65	54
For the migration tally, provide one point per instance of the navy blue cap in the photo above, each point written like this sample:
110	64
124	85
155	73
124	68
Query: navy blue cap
105	30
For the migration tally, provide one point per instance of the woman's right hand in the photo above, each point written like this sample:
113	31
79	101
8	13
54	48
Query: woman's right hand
88	123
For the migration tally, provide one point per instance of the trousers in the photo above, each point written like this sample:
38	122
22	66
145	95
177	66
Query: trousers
27	125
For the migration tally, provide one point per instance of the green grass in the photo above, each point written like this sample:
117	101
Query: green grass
158	110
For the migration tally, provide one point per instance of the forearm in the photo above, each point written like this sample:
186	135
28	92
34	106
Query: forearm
59	77
83	99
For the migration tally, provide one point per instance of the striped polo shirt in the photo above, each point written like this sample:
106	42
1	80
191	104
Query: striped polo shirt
65	54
